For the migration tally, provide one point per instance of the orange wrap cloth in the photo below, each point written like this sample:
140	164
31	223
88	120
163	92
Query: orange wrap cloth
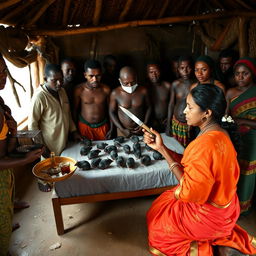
202	211
4	131
93	131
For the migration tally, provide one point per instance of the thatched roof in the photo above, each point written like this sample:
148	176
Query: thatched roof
58	15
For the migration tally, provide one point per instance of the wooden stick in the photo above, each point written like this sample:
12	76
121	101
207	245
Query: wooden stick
74	12
242	39
125	10
217	44
30	81
177	19
40	12
97	12
244	5
220	5
13	81
163	9
65	12
5	4
188	5
14	91
17	10
149	9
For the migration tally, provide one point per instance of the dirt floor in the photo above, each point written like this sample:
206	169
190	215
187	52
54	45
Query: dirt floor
115	228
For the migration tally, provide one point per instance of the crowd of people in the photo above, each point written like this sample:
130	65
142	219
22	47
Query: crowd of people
202	210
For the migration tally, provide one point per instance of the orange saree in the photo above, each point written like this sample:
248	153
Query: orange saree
202	211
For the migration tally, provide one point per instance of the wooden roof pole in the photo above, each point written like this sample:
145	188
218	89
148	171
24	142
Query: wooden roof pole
217	44
244	5
242	39
125	10
177	19
20	8
97	12
163	9
188	5
217	2
40	12
65	12
5	4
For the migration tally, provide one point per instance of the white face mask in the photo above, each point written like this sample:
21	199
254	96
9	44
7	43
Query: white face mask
128	89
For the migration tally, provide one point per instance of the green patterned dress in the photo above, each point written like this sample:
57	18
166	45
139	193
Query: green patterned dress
244	106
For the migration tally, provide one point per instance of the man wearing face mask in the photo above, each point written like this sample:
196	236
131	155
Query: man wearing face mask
91	100
132	97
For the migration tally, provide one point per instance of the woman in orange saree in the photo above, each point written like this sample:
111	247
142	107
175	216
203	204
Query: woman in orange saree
202	210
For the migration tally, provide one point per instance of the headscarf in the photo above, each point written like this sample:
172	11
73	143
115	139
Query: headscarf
250	63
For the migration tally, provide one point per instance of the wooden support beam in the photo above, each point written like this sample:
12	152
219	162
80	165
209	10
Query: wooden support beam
219	4
149	9
242	39
177	6
163	9
65	12
40	12
5	4
17	10
187	7
242	3
175	19
125	10
97	12
217	44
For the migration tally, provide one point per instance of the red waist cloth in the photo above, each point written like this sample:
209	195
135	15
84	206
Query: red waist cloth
98	133
182	229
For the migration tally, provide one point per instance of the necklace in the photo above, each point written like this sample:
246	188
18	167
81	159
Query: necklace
207	127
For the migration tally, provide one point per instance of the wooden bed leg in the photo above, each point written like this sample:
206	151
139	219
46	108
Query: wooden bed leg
58	216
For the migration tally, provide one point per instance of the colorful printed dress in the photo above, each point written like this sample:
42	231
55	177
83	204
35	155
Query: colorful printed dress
6	202
202	211
244	106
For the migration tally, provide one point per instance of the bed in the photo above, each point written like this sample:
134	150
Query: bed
114	182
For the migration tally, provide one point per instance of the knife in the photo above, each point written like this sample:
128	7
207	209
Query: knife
135	119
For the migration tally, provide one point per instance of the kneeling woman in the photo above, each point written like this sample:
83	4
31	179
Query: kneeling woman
203	209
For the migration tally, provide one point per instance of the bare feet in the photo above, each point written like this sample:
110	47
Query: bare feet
228	251
20	204
15	226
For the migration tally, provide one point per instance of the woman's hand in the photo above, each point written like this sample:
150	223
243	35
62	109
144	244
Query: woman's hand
34	155
154	141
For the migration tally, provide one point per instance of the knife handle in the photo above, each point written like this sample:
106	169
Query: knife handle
145	127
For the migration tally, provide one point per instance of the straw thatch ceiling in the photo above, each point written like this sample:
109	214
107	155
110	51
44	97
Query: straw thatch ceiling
67	14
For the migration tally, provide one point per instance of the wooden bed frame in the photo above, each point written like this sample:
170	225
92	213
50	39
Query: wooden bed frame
57	202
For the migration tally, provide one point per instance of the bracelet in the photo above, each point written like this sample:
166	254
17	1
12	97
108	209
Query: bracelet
173	165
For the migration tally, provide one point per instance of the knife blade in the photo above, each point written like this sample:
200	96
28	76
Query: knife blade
135	119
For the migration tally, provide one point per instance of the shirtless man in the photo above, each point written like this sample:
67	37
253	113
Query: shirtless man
91	100
69	78
160	95
227	59
176	122
131	96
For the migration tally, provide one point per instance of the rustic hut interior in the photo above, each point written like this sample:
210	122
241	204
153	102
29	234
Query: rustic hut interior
36	32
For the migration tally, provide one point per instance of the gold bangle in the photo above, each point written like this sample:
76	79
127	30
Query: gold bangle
173	165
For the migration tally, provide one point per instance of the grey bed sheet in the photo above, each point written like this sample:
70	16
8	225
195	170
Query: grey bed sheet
114	178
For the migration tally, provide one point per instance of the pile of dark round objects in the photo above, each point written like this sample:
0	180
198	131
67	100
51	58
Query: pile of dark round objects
134	155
